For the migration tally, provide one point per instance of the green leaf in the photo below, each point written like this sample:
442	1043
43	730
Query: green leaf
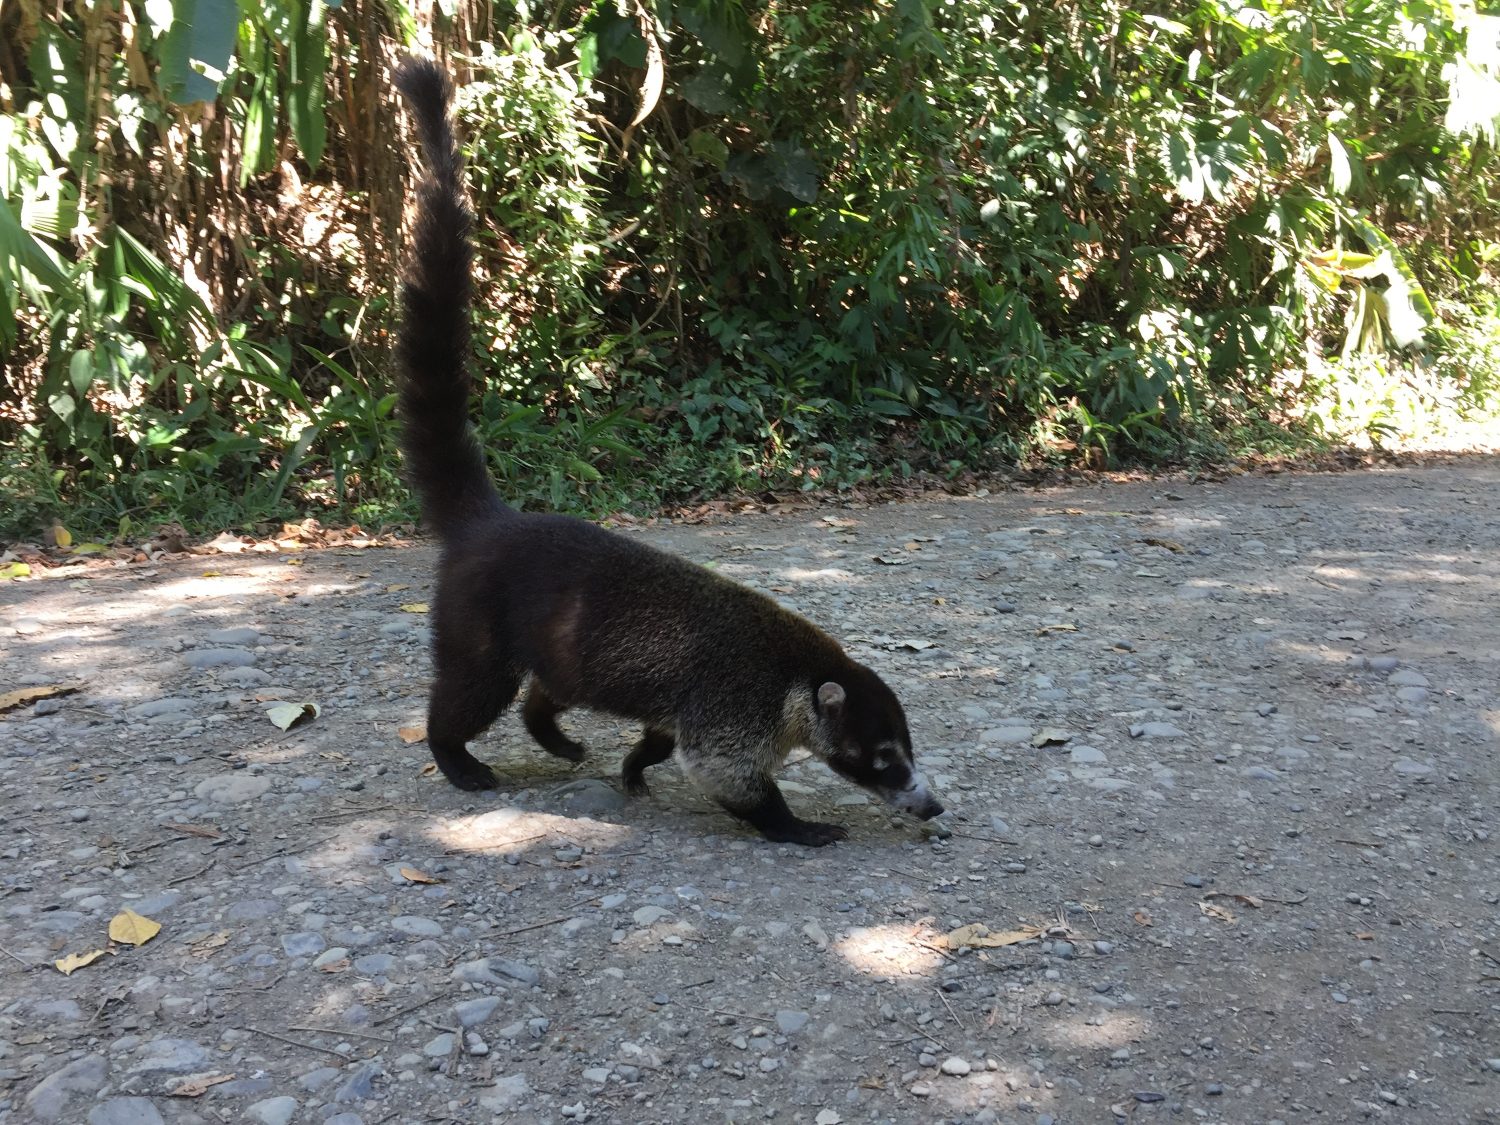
196	51
81	372
588	56
308	61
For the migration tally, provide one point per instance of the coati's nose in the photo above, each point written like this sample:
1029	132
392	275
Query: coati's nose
930	809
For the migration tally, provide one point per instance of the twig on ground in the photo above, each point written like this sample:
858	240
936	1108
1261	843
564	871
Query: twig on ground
296	1042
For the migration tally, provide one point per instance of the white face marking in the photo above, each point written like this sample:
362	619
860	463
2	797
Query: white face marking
914	797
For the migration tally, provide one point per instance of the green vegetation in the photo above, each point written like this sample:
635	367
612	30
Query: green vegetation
732	245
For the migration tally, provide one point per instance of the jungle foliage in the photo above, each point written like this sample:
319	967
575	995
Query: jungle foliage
727	244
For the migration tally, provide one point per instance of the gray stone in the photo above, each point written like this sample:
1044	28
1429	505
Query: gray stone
1087	756
360	1086
318	1077
171	705
955	1066
273	1111
650	915
1409	768
438	1046
50	1099
233	788
490	970
239	635
1407	677
413	925
328	956
790	1021
1412	694
374	964
125	1111
471	1013
344	1119
171	1056
505	1094
252	910
218	658
303	944
589	796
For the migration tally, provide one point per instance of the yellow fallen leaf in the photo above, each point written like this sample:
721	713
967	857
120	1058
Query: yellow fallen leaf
213	574
397	587
15	570
976	935
130	928
74	961
60	536
90	549
412	875
415	607
288	715
409	735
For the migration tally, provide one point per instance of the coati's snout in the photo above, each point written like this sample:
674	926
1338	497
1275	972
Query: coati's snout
872	747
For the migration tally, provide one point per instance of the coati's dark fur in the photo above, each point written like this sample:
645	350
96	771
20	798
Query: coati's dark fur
714	670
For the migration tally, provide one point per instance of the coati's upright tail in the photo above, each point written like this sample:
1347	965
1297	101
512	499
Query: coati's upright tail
444	461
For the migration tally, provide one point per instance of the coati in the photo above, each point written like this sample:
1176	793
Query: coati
716	671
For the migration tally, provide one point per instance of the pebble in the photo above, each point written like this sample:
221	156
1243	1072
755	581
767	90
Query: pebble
471	1013
589	796
1493	1064
125	1111
273	1111
1052	999
790	1022
360	1086
303	944
239	635
51	1097
218	658
505	1094
955	1066
233	788
1156	730
1409	768
414	925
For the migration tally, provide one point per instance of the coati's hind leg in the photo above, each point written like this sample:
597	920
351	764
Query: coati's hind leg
654	748
753	796
540	715
464	701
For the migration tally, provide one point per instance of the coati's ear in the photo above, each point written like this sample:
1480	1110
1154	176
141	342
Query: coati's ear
831	698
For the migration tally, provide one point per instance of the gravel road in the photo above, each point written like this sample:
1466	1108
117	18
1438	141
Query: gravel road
1220	759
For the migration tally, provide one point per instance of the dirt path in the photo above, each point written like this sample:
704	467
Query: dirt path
1258	837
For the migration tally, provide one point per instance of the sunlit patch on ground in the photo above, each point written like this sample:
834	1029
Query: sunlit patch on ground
891	950
504	829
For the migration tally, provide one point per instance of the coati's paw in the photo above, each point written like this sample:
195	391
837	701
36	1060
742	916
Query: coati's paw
567	750
635	784
808	833
468	773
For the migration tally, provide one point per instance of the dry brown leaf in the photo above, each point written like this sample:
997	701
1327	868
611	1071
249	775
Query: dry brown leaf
1219	912
397	587
1050	736
202	830
130	928
206	945
287	715
1170	544
415	607
74	961
1364	935
1246	900
412	875
339	966
1142	918
1060	627
409	735
22	696
197	1085
428	770
976	935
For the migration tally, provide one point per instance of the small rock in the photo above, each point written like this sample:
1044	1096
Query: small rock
413	925
589	796
241	635
303	944
1156	730
505	1094
790	1022
360	1085
955	1066
1052	999
471	1013
650	915
1409	768
273	1111
1493	1064
125	1111
218	658
599	1074
232	788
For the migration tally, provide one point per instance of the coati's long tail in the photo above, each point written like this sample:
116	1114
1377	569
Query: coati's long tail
444	461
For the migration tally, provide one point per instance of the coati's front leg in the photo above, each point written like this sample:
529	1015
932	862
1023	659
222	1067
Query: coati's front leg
465	700
654	748
540	716
738	782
